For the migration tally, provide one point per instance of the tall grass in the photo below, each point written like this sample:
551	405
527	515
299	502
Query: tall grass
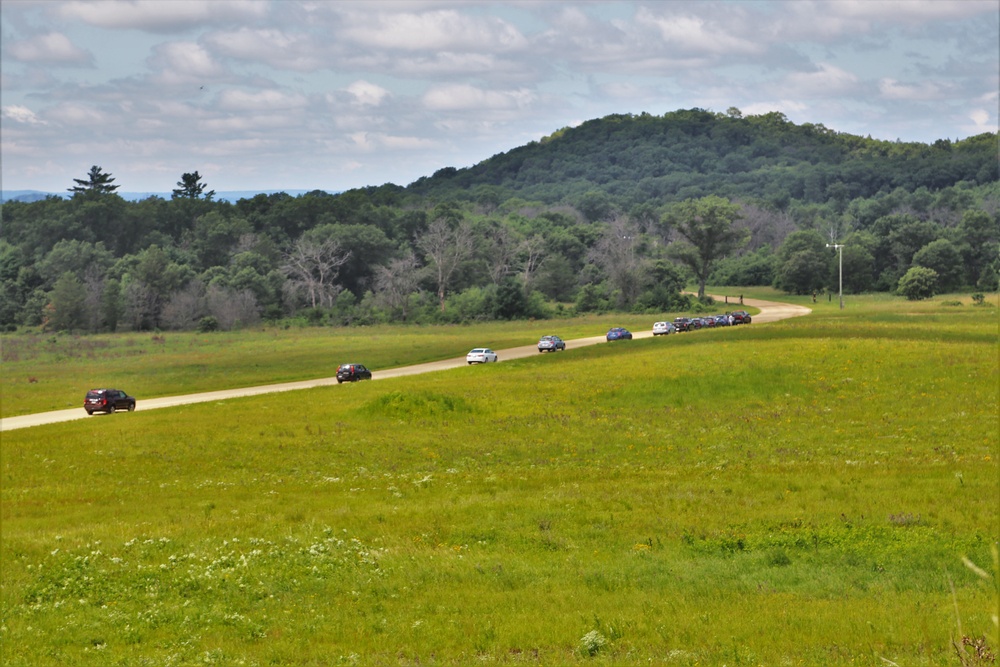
800	493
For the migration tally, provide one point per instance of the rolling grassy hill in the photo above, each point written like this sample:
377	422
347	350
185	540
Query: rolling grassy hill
801	492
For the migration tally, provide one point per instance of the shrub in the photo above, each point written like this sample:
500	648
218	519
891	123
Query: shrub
979	301
207	324
918	283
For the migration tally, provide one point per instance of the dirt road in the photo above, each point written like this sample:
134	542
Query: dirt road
770	311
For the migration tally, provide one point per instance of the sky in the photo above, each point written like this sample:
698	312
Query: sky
332	95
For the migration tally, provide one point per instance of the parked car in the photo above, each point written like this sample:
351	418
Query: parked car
682	324
352	373
721	320
618	333
481	355
551	344
663	328
708	321
740	317
107	400
696	323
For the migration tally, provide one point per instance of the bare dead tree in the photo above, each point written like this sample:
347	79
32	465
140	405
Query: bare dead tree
246	243
766	227
232	308
532	254
140	303
616	254
312	267
185	307
446	248
93	284
501	253
395	283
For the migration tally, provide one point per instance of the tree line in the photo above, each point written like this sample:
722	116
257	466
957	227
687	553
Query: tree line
463	245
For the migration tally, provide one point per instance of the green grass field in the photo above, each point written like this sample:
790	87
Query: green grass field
794	493
45	372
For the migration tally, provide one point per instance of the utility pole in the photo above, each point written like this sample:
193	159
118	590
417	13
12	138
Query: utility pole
840	250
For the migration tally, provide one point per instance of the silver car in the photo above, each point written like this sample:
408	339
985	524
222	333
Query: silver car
551	344
663	328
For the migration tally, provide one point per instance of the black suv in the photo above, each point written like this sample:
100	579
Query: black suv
352	373
107	400
682	324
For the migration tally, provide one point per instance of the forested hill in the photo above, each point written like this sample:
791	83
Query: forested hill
621	213
694	153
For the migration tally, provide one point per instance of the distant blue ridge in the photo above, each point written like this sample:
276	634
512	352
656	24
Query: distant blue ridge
228	195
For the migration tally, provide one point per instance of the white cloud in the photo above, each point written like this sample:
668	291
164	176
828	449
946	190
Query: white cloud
908	11
77	115
185	62
21	115
264	100
406	143
158	16
458	97
367	94
53	48
826	81
834	20
980	117
276	48
763	108
449	63
369	142
445	30
239	124
695	35
983	119
240	148
927	90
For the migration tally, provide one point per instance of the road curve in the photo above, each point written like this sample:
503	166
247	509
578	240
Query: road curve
770	311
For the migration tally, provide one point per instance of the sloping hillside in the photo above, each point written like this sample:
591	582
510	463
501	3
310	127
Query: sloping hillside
694	153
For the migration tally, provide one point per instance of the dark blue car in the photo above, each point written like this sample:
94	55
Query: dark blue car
618	333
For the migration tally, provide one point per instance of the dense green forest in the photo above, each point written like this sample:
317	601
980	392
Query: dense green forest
622	212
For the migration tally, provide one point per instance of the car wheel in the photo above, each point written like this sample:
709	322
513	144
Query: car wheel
90	412
131	407
339	381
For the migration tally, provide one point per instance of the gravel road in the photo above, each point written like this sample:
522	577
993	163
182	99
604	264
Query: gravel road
770	311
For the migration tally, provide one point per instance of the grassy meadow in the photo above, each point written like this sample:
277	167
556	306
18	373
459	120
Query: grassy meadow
797	493
43	372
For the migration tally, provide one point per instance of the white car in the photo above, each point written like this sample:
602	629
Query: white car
481	355
663	328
